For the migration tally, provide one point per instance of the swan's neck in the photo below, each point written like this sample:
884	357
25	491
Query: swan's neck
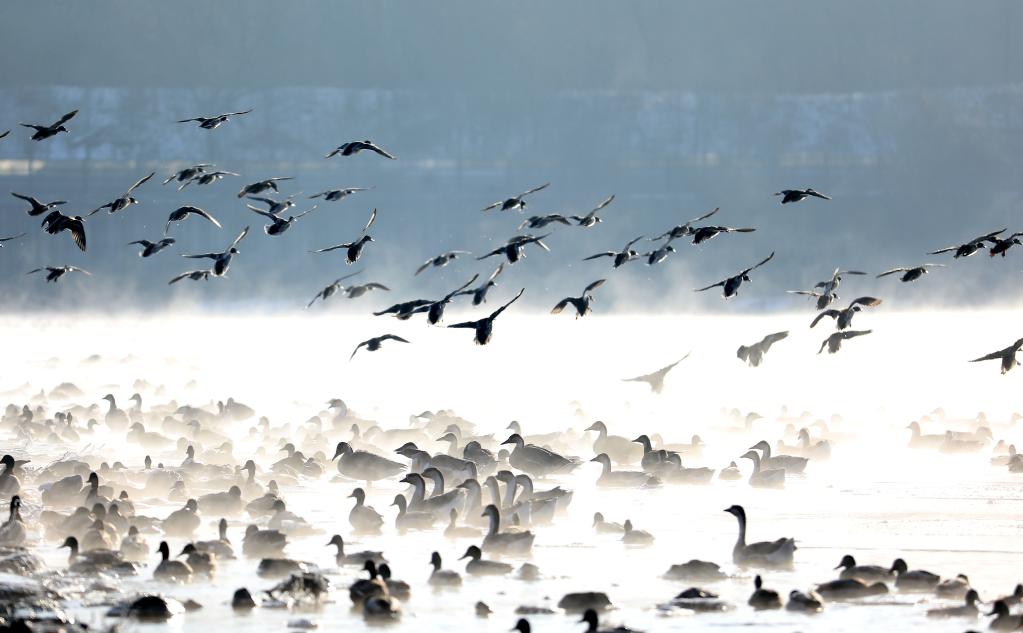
606	465
495	523
767	451
509	494
741	542
419	492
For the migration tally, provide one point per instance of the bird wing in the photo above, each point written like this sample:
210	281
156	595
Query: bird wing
604	254
199	212
313	208
869	302
771	339
629	245
145	243
561	305
203	256
376	286
64	119
279	178
603	203
597	284
720	283
237	113
702	217
357	349
424	266
535	189
372	219
198	118
816	194
261	212
98	209
948	249
827	313
348	276
991	356
448	296
13	237
76	269
498	311
762	262
848	334
808	293
238	239
141	182
77	230
267	201
497	272
392	337
28	199
728	229
332	248
34	270
892	272
5	134
379	150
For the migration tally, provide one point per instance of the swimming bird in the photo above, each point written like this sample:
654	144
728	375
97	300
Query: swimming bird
971	247
479	294
43	132
278	224
753	354
504	542
333	287
761	598
696	570
259	543
866	573
37	207
222	260
515	248
850	588
152	248
581	303
182	213
172	570
484	328
353	250
633	536
355	558
200	562
656	379
804	602
730	286
764	477
441	260
762	554
796	195
913	580
375	343
1007	356
56	222
622	478
918	440
414	520
592	624
834	342
591	218
442	577
364	466
515	203
258	187
788	463
911	274
13	531
333	195
125	200
221	546
182	522
478	566
621	450
535	460
843	318
1004	620
363	518
354	147
619	258
603	526
1002	245
215	121
95	560
54	273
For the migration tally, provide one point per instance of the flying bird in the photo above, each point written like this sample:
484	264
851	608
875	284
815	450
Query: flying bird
37	207
435	311
582	303
333	195
333	287
354	292
181	213
540	221
188	173
152	248
54	273
1007	356
479	294
843	318
213	122
374	343
43	132
834	342
125	200
1001	246
516	203
703	233
731	285
207	178
404	310
911	274
222	261
441	260
275	206
354	147
825	291
484	328
514	249
56	222
12	237
660	253
591	218
967	249
754	354
795	195
353	250
4	135
685	229
194	275
620	258
270	184
278	224
656	379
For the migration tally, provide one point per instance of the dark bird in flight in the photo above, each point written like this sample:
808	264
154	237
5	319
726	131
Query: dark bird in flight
795	195
484	328
54	273
181	213
731	285
834	342
1007	356
703	233
43	132
515	203
826	291
1001	246
374	343
591	218
754	354
404	310
10	238
187	173
4	135
125	200
683	230
656	379
278	224
353	250
333	195
38	208
213	122
354	292
660	253
56	222
333	287
540	221
441	260
911	274
270	184
969	248
514	249
479	294
582	303
207	178
194	275
152	248
435	311
843	318
352	148
222	261
620	258
275	206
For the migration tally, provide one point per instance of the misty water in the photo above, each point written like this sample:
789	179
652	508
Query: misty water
875	498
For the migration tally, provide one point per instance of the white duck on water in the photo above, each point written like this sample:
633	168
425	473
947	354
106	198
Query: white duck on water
789	463
622	478
364	466
537	461
764	478
504	542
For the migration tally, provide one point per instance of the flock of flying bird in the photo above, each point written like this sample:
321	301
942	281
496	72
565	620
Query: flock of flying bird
280	215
